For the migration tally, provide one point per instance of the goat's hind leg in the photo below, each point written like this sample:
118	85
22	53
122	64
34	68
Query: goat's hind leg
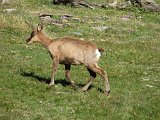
101	72
92	77
67	74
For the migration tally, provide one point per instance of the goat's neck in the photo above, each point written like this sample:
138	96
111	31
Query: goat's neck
44	40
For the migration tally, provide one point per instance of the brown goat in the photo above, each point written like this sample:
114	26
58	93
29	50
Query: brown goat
69	51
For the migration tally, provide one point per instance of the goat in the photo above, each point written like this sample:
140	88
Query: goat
69	51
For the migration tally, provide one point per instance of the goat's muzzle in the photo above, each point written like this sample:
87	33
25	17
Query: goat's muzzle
28	41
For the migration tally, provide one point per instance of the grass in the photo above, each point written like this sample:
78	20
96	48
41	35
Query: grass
131	59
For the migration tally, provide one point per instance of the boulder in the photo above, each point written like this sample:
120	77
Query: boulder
73	3
149	5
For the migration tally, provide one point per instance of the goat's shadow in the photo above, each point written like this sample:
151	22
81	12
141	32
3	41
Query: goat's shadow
45	80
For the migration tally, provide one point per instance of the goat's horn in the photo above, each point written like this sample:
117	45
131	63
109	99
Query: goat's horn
30	25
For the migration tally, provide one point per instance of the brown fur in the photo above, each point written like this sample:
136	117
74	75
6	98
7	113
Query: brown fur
69	51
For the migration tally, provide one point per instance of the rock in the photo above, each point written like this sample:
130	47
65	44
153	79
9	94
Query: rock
151	86
127	17
150	5
114	4
45	15
57	23
101	28
9	10
4	1
74	3
76	19
66	16
65	2
96	18
104	6
86	5
77	33
47	18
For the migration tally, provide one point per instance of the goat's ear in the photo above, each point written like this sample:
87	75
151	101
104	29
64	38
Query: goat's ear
40	27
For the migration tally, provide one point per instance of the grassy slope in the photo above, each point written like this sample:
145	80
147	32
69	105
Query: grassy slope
131	59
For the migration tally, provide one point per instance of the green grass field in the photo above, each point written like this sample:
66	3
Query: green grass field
131	60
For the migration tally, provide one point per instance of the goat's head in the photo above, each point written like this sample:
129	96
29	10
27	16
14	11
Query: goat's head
34	34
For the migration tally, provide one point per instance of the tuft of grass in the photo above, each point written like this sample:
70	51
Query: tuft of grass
131	60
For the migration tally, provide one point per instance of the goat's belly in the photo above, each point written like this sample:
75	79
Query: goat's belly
71	61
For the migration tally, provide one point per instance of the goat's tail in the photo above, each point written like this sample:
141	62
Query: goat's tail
100	49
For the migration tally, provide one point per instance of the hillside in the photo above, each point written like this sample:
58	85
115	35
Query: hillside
130	38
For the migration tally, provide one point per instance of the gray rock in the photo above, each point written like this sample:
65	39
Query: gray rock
4	1
9	10
126	18
66	16
77	33
96	18
44	15
101	28
76	19
47	18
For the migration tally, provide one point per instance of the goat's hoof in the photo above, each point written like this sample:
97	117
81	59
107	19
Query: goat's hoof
51	84
84	89
76	87
73	84
107	93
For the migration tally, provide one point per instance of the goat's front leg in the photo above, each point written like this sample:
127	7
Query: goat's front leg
67	74
54	69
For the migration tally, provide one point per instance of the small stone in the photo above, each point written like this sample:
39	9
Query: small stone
104	6
66	16
145	79
44	15
101	28
76	19
149	86
127	17
77	33
9	10
57	24
4	1
98	18
114	4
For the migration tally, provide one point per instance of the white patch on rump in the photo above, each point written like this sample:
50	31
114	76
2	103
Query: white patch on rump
98	54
